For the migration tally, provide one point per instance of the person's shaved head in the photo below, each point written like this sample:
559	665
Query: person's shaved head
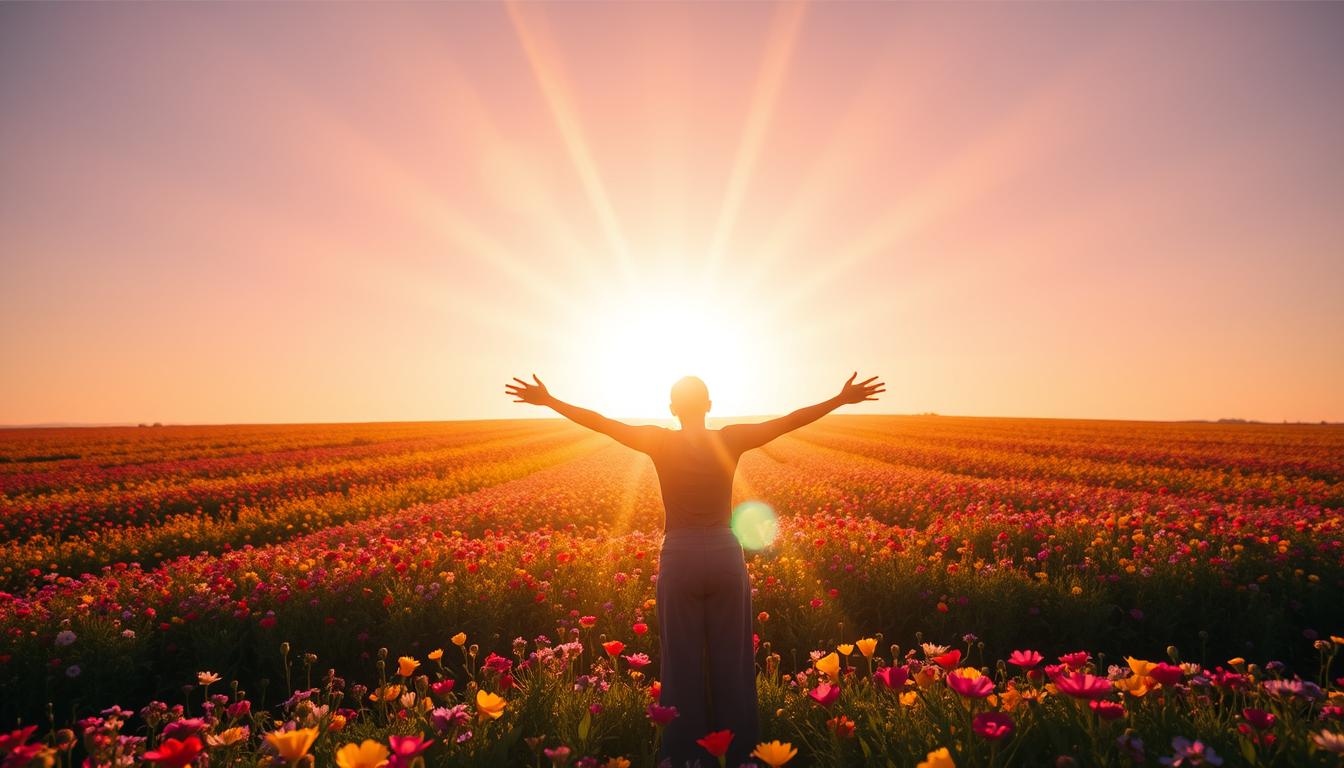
690	398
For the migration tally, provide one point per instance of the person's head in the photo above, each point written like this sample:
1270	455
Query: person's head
690	399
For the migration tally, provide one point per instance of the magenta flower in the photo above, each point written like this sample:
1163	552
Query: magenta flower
825	694
662	715
992	725
1025	659
1190	753
969	683
405	749
893	678
1075	660
1107	710
1166	674
1081	685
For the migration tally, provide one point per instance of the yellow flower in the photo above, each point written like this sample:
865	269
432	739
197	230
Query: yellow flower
207	678
926	677
616	762
488	705
939	758
909	698
866	646
845	649
369	754
292	745
774	753
460	639
1134	685
406	666
336	724
436	654
226	737
830	665
387	693
1236	661
1140	667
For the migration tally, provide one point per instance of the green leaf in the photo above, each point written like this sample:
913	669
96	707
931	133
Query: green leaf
585	725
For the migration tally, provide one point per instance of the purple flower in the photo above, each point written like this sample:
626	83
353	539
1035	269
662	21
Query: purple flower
1191	753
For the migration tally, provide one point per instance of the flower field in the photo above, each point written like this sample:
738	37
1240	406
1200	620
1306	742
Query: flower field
943	591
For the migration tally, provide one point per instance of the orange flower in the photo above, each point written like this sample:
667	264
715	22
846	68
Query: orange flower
406	666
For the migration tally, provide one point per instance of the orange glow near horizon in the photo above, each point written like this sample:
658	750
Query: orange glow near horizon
1110	211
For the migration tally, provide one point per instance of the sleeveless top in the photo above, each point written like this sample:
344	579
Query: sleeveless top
695	474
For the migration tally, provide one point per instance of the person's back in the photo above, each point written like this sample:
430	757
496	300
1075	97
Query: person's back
695	473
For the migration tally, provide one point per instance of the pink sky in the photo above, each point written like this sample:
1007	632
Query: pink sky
316	212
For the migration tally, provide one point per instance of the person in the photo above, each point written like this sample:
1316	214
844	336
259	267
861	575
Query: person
703	592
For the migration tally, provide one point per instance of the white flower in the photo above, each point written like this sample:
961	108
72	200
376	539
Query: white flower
1330	742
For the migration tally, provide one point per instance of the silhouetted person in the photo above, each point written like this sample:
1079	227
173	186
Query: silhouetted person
703	592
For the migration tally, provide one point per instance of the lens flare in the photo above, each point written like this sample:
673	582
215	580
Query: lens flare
754	524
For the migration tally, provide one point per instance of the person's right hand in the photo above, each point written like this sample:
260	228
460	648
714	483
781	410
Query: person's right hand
864	390
536	394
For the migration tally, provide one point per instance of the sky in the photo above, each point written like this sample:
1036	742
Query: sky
247	212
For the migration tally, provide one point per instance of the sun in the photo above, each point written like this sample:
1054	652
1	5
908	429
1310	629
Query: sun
641	343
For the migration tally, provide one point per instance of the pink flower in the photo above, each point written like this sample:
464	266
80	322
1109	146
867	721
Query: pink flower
992	725
892	678
1025	659
662	715
1075	660
1081	685
825	694
1107	710
969	683
636	660
405	749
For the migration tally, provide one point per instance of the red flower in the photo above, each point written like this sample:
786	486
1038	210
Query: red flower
716	743
1166	674
640	628
1107	710
992	725
841	726
662	715
1259	718
175	754
613	647
948	660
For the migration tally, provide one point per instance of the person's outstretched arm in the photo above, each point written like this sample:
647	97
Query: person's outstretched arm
747	436
640	438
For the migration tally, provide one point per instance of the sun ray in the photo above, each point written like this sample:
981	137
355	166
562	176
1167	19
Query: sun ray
546	73
770	80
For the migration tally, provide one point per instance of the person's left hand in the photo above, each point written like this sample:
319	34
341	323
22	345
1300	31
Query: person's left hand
536	394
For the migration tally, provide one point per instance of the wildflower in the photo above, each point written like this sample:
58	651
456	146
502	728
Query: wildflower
892	678
446	718
968	683
184	727
661	715
939	758
1107	710
558	755
65	637
1025	659
173	753
948	660
637	660
73	671
1166	674
774	753
845	649
616	762
1191	753
829	665
825	694
489	706
367	754
1139	667
292	745
406	666
716	743
992	725
406	748
460	639
435	654
587	622
227	737
613	648
866	646
931	650
207	678
1329	741
1075	660
841	726
1081	685
1259	718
